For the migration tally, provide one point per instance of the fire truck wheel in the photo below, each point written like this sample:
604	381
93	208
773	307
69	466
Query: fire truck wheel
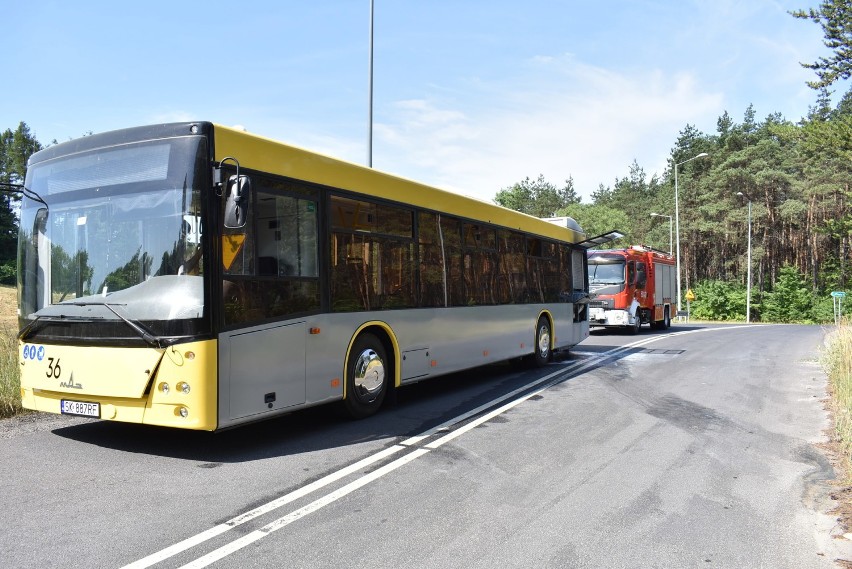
667	320
636	324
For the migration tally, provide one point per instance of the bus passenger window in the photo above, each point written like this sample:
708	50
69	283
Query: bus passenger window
371	256
286	236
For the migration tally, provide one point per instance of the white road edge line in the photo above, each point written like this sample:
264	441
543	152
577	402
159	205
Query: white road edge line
513	403
219	529
417	439
286	520
295	515
190	542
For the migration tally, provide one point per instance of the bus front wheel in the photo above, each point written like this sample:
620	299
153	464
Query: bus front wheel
366	376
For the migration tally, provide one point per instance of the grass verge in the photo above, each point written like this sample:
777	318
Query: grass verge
837	361
10	379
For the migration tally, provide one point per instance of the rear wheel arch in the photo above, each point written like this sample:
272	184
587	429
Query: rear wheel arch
386	336
544	339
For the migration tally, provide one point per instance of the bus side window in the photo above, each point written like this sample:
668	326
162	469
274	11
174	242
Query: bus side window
372	254
277	272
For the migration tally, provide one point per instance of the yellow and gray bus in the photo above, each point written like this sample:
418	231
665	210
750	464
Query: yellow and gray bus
196	276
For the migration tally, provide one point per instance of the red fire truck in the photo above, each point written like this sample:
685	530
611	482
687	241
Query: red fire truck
631	287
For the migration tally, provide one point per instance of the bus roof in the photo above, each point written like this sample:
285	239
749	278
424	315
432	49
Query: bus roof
267	155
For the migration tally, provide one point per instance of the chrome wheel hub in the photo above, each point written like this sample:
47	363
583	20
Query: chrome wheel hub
369	373
543	341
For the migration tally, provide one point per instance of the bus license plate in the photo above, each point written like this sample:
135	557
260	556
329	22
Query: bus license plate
82	408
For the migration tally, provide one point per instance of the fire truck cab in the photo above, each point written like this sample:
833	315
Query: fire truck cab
631	287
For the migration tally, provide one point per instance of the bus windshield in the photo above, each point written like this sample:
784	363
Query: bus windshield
118	241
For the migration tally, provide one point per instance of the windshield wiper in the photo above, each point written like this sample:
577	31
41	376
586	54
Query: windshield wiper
144	332
31	328
40	321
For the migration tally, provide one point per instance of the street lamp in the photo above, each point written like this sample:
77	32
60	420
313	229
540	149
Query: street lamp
748	261
370	96
677	225
670	228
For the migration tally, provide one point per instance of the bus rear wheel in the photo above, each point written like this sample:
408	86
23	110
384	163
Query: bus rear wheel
542	353
367	374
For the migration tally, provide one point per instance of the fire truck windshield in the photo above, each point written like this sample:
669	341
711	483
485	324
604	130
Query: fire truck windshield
606	272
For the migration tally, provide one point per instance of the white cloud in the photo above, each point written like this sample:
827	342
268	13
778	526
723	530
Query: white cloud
568	120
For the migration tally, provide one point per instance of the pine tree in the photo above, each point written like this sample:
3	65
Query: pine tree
16	147
835	17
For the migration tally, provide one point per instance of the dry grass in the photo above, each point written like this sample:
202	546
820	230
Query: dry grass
10	382
837	361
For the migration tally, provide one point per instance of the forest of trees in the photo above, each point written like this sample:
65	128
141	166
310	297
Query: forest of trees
16	146
796	175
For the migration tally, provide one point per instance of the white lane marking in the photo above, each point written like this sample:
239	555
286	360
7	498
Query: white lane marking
500	410
197	539
445	426
580	366
284	521
192	541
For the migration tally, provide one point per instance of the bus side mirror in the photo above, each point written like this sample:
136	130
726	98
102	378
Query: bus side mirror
236	204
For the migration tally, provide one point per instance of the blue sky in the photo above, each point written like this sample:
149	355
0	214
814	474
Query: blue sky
469	95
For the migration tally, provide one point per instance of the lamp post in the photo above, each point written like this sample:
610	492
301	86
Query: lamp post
670	228
748	260
677	225
370	96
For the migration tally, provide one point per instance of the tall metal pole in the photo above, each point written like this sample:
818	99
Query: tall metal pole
370	96
677	236
748	278
677	225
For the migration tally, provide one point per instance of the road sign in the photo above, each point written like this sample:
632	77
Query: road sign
690	296
837	299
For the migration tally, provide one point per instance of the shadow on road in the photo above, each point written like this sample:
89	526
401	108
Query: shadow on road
417	408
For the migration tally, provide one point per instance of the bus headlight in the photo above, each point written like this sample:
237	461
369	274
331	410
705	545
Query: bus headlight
183	412
164	388
183	387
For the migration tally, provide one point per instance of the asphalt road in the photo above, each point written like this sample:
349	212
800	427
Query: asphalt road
689	448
